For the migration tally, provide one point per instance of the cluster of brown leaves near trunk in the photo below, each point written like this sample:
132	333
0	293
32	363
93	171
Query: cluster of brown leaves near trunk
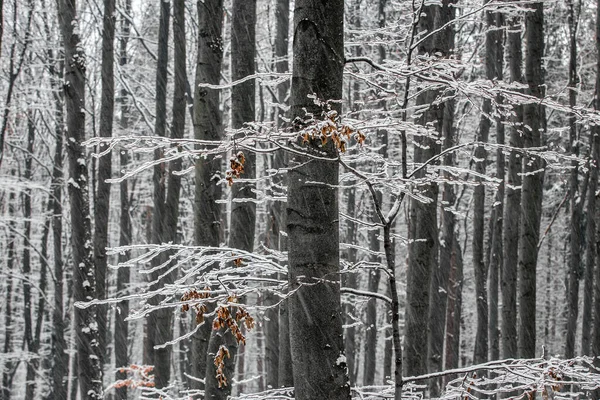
331	128
200	309
224	319
139	376
236	167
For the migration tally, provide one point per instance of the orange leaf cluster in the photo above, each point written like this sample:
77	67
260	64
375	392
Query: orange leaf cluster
140	377
220	364
224	318
332	129
200	309
236	167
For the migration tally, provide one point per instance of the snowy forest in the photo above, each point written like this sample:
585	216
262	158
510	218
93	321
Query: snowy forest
299	199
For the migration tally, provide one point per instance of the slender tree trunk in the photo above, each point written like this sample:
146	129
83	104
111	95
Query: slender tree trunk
453	310
123	275
27	306
312	209
577	200
102	200
243	207
89	369
350	280
280	161
159	321
207	127
510	233
495	38
531	201
9	367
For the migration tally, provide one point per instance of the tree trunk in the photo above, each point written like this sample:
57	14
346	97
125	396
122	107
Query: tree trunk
9	367
207	127
495	39
312	210
121	325
89	370
453	310
243	207
577	200
102	200
510	233
423	230
531	201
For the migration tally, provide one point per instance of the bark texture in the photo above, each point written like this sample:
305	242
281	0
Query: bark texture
533	177
89	369
312	210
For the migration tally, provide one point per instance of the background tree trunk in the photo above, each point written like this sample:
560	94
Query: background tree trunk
510	233
102	200
207	127
531	201
89	369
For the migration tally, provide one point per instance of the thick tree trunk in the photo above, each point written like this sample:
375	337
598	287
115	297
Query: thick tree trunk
102	200
243	207
207	127
89	369
533	177
577	200
123	276
312	209
453	310
510	233
423	230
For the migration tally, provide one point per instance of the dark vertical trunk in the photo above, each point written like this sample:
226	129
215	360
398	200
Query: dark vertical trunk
594	212
121	325
243	207
577	200
453	309
102	199
9	367
27	306
59	346
207	127
533	176
350	280
496	41
423	257
159	321
510	232
89	369
312	210
280	161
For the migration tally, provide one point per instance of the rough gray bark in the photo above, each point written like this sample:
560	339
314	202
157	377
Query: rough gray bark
102	198
594	246
280	161
207	127
89	369
159	322
453	309
9	367
26	258
577	201
531	200
495	40
313	211
510	232
423	230
243	207
121	325
444	43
